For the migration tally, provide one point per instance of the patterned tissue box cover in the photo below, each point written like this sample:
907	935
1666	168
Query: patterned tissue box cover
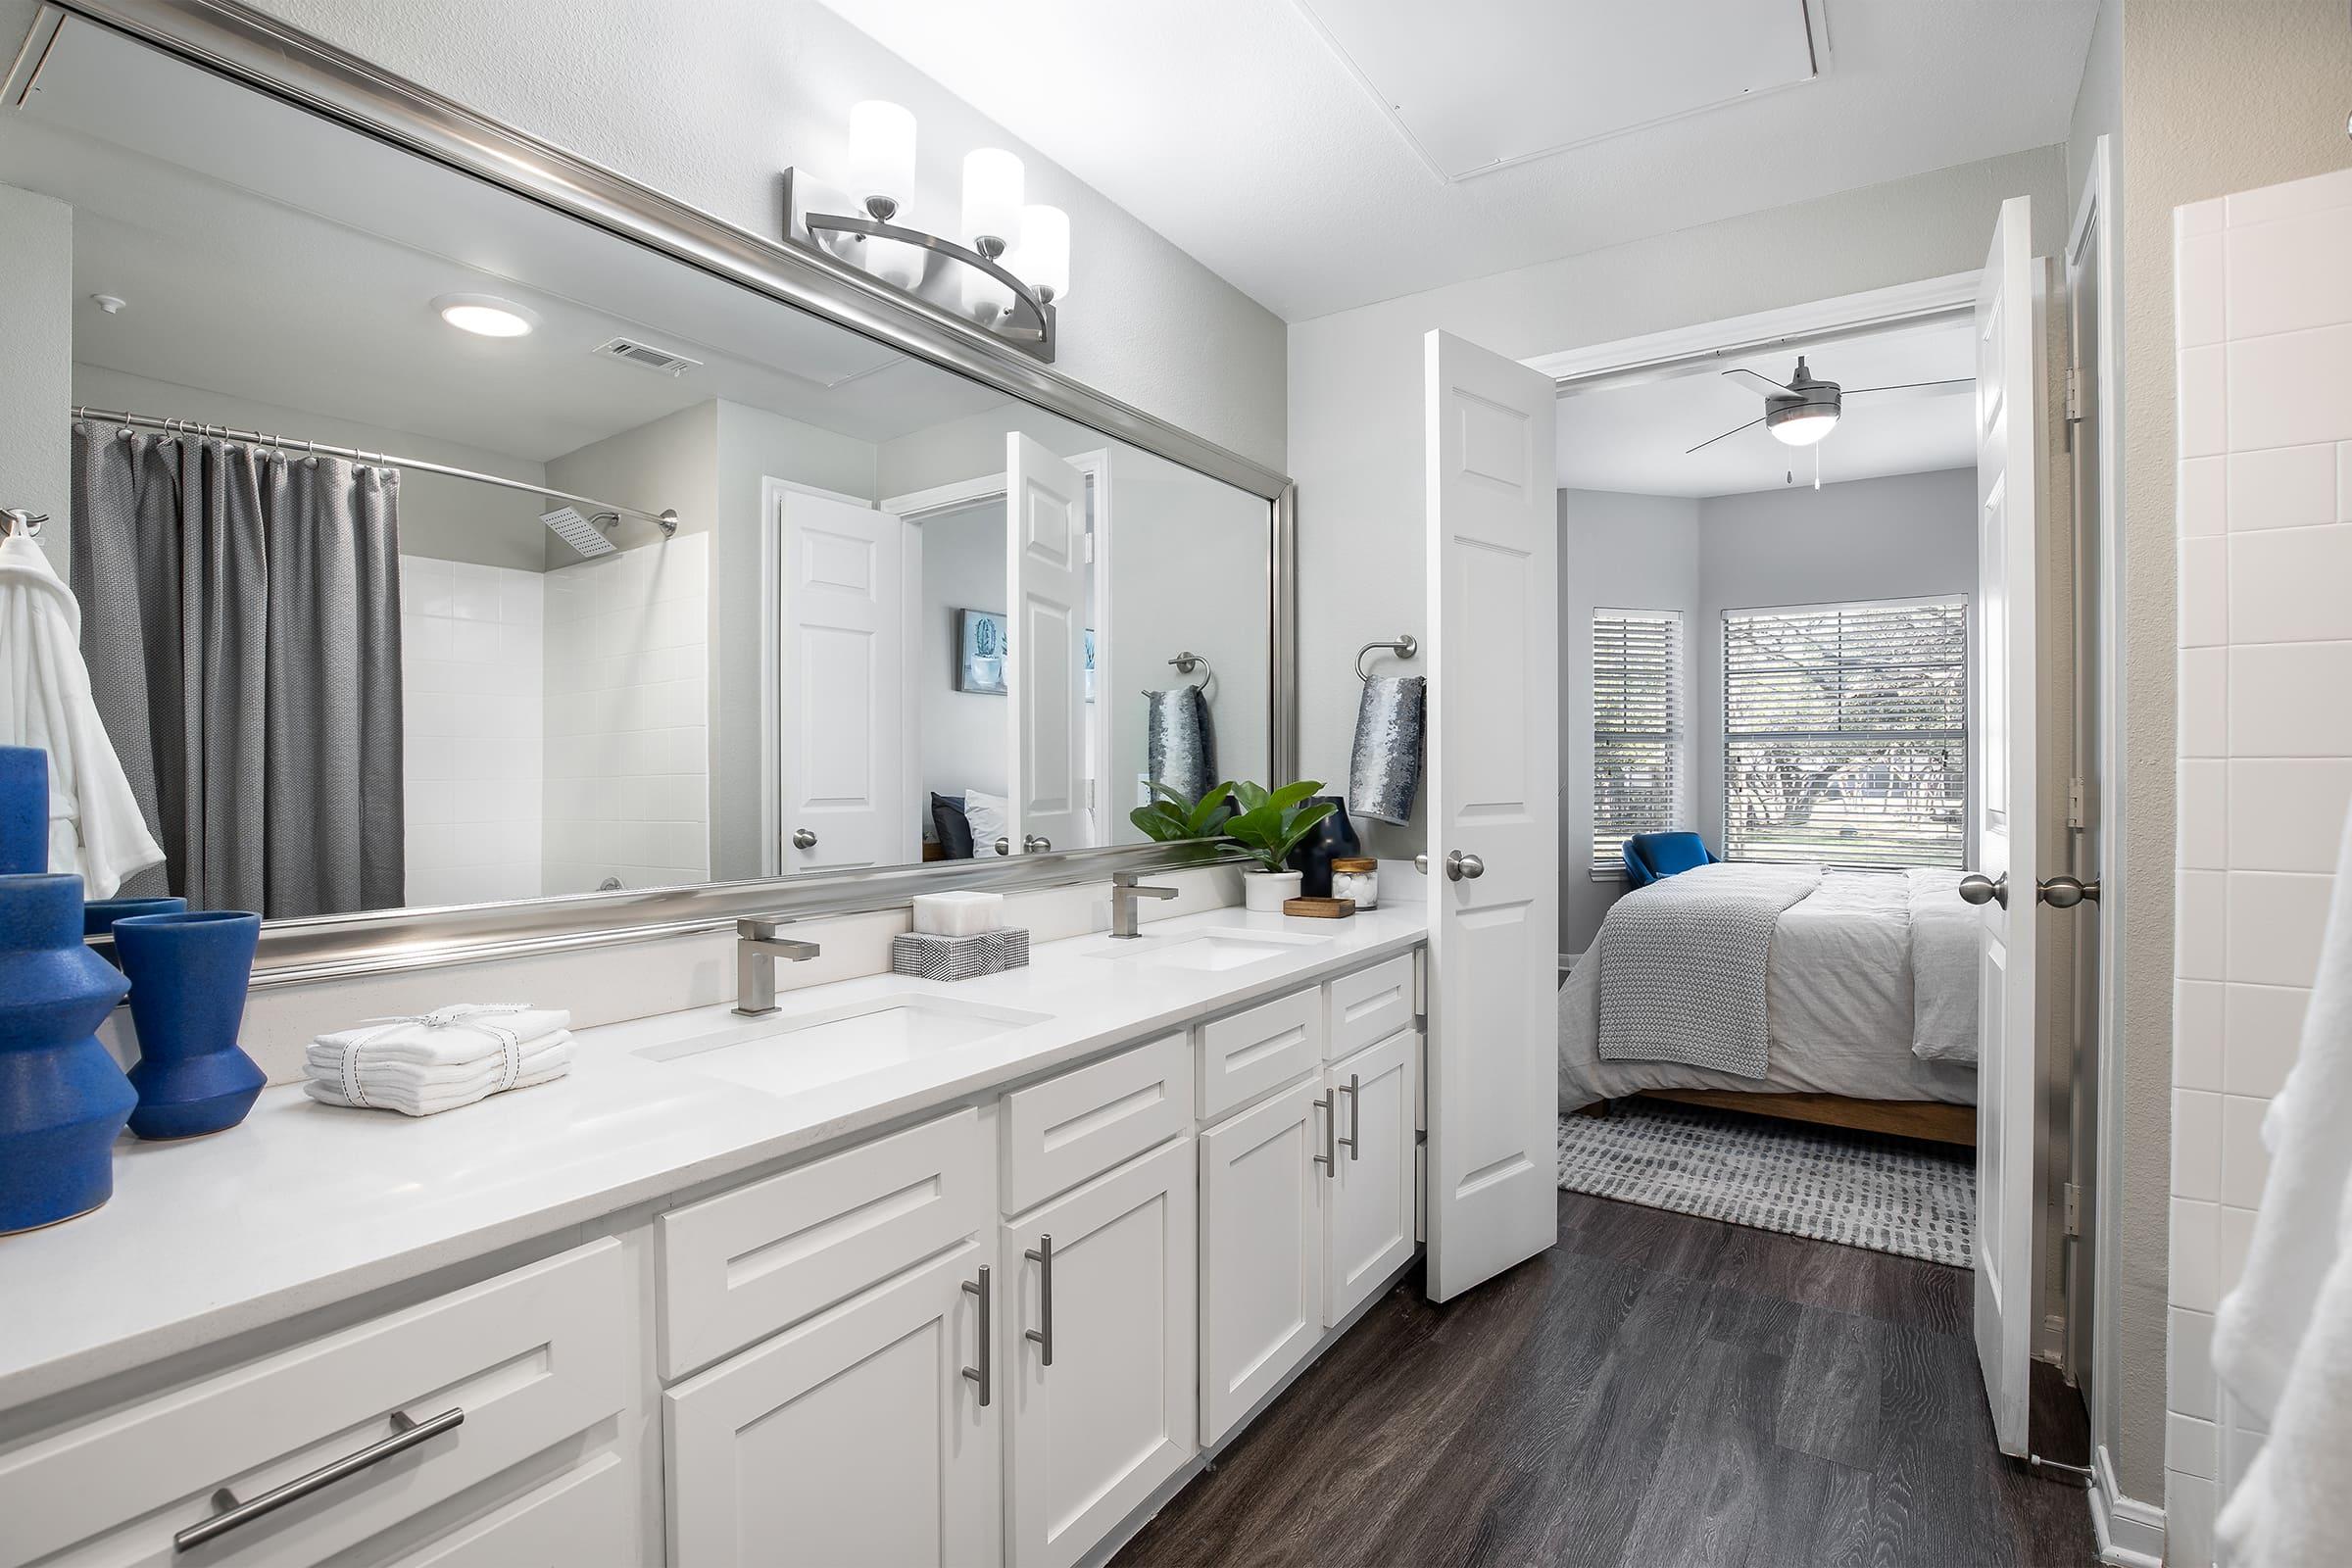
925	957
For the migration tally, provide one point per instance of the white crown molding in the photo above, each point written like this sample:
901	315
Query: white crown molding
2131	1533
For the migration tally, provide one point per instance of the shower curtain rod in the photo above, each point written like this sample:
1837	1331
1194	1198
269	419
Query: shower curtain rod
667	521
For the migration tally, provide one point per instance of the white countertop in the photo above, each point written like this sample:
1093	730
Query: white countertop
305	1205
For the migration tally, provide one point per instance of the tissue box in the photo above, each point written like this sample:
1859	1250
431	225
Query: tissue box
925	956
957	914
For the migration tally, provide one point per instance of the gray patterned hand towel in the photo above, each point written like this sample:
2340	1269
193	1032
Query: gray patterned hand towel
1385	773
1181	742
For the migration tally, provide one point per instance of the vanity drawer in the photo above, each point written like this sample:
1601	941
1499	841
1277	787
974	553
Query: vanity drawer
741	1265
1371	1005
581	1519
530	1357
1073	1128
1253	1053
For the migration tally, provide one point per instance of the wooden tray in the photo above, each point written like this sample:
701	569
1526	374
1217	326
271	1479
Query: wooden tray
1320	909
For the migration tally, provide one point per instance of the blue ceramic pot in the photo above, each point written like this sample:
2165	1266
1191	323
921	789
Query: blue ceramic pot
62	1098
99	916
188	972
24	810
1333	838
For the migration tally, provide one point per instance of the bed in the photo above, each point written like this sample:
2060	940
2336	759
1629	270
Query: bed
1869	1005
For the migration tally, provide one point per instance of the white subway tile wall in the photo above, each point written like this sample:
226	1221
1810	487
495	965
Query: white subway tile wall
472	715
628	759
2264	307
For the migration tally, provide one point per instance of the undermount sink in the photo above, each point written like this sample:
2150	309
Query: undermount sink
790	1052
1207	949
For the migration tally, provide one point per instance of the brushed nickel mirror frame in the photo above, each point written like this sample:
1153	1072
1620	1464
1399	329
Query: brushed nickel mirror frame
261	53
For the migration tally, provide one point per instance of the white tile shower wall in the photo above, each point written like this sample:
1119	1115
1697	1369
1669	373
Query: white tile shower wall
470	722
628	759
2264	320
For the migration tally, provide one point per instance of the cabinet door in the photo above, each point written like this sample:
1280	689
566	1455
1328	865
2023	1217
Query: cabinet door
855	1438
1262	1175
1096	1432
1370	1232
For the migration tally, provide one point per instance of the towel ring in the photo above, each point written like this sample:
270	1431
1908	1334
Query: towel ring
1403	646
1188	662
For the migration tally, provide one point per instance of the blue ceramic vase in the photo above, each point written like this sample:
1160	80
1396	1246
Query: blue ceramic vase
1333	838
99	915
62	1098
188	972
24	810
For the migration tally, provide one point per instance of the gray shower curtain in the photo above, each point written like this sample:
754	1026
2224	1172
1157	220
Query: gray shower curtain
240	617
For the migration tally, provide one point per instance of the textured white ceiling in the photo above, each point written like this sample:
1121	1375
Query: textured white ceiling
1637	438
1234	128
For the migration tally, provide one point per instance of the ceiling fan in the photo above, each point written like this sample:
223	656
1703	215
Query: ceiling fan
1804	411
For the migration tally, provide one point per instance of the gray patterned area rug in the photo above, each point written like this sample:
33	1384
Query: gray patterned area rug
1887	1194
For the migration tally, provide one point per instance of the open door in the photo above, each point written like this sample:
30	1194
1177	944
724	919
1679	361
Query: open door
1045	517
842	689
2010	305
1493	813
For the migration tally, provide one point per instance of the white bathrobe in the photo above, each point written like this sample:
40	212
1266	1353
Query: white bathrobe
2282	1338
95	829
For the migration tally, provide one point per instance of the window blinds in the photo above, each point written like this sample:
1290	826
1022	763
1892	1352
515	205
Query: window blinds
1845	733
1637	728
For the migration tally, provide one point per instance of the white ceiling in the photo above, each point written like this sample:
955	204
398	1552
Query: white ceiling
1239	131
1636	438
268	255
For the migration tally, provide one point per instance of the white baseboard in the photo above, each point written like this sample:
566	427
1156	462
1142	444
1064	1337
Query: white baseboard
2131	1533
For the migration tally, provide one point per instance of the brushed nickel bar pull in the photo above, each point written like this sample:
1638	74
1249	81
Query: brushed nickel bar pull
979	1374
1329	1159
1043	1335
405	1435
1356	1115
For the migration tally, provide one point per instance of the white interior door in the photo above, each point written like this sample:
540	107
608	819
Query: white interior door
1493	814
1045	517
842	689
2009	456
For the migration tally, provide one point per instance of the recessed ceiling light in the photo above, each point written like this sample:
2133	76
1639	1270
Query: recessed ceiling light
485	314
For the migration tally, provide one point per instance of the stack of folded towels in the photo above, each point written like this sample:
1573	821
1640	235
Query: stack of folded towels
439	1060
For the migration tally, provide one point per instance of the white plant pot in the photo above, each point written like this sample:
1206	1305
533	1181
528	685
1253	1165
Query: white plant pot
1264	891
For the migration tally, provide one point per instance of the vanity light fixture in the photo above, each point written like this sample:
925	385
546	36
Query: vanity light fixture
1012	261
484	315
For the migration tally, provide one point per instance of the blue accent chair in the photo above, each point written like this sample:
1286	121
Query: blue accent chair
1650	856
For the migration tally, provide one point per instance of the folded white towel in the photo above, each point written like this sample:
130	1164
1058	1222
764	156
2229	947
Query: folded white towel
422	1091
457	1033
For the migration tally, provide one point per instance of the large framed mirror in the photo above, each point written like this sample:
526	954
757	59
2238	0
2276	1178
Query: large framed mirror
469	561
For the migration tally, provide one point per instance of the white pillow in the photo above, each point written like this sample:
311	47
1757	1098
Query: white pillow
988	815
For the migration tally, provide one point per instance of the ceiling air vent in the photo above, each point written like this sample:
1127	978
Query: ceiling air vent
644	353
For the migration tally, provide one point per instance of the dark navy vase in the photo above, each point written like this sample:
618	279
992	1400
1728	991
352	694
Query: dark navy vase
24	810
1332	839
189	973
62	1099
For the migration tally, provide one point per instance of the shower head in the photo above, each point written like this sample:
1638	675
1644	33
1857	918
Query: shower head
583	534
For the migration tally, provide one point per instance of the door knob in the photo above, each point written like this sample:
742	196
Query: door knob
802	839
1036	844
2064	892
1421	862
1977	888
1460	867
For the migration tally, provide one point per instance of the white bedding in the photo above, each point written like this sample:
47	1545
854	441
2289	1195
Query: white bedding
1839	1004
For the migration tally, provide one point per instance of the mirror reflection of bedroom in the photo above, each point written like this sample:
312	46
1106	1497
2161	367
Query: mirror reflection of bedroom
1769	985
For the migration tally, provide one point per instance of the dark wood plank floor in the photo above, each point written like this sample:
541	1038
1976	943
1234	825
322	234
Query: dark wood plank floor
1655	1390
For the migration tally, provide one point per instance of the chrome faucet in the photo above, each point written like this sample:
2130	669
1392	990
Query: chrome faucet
756	948
1124	891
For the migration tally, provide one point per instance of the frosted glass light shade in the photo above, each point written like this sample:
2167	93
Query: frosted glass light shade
1044	260
1803	429
881	151
984	298
992	196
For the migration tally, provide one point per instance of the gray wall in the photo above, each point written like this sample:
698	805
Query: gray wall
965	734
1910	536
37	323
1356	379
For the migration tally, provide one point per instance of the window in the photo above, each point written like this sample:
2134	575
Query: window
1845	733
1637	728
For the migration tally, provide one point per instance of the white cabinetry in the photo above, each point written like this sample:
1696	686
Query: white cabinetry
1369	1233
1098	1315
855	1438
1261	1250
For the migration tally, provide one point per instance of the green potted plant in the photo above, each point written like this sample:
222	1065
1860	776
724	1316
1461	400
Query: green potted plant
1174	817
1269	824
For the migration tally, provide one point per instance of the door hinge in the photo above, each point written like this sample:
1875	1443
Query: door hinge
2078	803
1090	537
2073	1210
2074	404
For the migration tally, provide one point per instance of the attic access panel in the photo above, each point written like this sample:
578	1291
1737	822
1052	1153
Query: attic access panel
1480	85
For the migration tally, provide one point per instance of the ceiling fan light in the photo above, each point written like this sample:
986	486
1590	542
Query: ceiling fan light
1801	426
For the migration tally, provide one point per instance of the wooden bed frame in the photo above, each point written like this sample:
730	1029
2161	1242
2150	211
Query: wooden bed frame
1933	1121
